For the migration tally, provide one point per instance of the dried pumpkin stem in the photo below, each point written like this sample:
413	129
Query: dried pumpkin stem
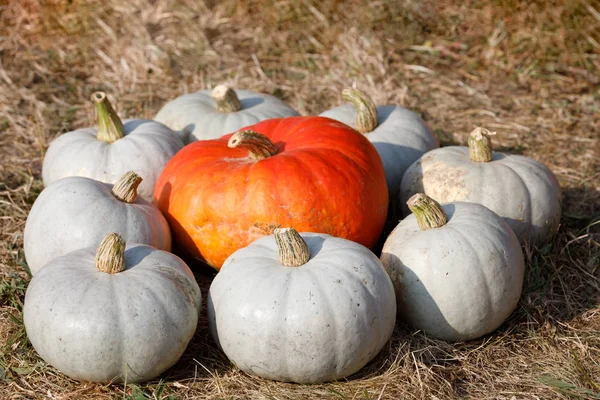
258	145
110	127
110	257
480	145
429	212
126	187
226	99
293	250
366	112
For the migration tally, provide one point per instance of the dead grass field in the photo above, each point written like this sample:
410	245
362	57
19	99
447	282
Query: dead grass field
529	70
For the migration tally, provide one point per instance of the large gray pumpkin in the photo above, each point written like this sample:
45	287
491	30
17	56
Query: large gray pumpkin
399	135
457	269
112	315
306	309
108	151
518	188
211	114
77	212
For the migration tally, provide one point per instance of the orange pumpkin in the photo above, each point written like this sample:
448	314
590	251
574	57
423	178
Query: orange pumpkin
311	173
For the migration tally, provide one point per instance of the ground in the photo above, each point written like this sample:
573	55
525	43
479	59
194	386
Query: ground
528	70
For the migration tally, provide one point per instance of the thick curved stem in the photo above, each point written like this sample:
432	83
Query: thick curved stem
293	250
480	145
258	145
429	212
110	127
226	99
110	256
366	112
126	187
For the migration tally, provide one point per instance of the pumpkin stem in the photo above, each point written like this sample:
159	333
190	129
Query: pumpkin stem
110	127
480	145
293	250
226	99
366	112
258	145
126	187
429	212
110	257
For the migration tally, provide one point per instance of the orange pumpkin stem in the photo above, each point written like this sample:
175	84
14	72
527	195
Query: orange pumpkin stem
258	145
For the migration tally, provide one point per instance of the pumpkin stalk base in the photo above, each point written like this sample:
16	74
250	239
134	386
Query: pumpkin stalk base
480	145
110	127
258	145
226	99
293	250
366	112
110	257
126	187
429	212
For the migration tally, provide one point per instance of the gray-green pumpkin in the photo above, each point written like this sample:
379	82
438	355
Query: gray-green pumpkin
304	307
211	114
108	151
399	135
523	191
77	212
457	268
110	314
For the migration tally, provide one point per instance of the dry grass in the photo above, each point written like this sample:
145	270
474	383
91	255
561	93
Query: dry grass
529	70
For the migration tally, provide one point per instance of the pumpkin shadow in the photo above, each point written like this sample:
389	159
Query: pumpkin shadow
202	358
134	257
426	304
314	243
561	274
131	124
250	102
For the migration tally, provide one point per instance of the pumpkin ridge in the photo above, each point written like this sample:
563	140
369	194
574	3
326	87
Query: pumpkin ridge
334	322
282	325
505	234
482	277
116	301
524	189
366	294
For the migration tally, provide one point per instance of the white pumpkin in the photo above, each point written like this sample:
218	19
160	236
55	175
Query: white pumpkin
457	269
108	151
306	309
399	135
518	188
112	315
211	114
78	212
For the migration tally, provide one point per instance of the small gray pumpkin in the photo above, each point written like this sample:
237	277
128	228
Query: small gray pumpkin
211	114
77	212
112	315
521	190
457	269
305	309
399	135
108	151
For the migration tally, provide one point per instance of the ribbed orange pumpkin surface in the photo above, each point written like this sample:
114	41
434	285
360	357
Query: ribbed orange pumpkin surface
320	176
